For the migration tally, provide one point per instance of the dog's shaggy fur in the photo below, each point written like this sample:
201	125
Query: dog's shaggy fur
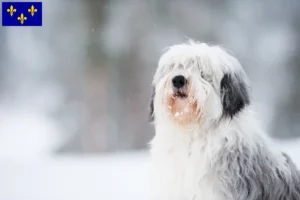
208	145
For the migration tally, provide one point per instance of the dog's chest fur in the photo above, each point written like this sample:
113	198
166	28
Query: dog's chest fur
182	167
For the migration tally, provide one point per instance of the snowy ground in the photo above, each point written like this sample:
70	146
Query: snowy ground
107	177
114	177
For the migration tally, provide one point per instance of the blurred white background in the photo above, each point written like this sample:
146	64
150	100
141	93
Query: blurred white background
74	93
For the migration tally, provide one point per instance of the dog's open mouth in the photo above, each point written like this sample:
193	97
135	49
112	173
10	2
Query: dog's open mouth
180	94
182	107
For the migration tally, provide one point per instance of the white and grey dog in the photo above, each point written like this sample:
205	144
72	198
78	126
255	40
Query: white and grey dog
208	145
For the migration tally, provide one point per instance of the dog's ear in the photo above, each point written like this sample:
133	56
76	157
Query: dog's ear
234	94
151	107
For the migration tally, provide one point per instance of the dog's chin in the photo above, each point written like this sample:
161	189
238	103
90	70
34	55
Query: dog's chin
183	108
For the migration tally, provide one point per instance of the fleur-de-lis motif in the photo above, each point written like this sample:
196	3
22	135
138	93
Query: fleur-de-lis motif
32	10
22	18
11	10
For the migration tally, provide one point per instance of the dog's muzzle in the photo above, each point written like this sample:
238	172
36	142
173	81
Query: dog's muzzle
179	86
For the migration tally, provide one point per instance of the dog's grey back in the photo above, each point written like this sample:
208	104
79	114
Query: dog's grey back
248	176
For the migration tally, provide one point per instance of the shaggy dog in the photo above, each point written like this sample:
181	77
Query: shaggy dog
208	145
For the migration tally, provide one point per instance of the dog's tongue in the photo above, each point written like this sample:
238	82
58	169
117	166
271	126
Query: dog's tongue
180	103
181	107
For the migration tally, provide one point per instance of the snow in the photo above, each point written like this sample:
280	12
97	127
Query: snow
25	132
86	177
70	177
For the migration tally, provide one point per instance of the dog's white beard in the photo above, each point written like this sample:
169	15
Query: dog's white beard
178	123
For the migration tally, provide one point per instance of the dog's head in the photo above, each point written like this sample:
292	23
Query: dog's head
197	83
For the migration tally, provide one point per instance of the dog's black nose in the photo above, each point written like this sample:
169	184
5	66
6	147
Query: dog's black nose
179	81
